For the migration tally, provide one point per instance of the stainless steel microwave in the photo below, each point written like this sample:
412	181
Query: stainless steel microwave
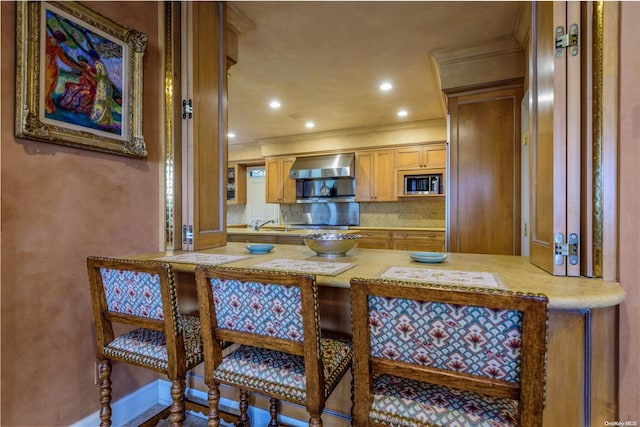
423	184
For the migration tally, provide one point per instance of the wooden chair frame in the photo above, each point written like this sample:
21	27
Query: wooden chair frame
176	352
309	349
529	392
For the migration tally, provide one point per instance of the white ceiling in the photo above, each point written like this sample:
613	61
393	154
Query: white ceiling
324	61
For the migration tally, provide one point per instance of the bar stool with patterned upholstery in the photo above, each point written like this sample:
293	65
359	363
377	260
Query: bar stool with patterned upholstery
273	316
142	294
446	355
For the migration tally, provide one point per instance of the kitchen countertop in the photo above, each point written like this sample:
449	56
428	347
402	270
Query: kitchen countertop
516	273
281	229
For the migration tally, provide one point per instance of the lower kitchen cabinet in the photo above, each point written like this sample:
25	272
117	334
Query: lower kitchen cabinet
375	239
290	240
251	237
406	240
265	238
429	241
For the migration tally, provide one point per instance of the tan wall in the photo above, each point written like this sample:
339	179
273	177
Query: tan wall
60	205
629	225
418	132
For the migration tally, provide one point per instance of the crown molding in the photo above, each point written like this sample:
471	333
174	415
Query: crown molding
416	124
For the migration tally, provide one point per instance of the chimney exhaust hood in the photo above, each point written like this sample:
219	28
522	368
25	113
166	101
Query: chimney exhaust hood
325	166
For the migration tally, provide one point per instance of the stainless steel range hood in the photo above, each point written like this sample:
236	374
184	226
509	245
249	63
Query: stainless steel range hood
326	166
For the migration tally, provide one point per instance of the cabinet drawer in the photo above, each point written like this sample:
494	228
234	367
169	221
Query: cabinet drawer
290	240
374	239
423	236
375	244
253	238
409	245
373	234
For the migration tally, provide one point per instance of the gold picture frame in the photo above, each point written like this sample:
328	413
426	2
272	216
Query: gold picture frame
78	78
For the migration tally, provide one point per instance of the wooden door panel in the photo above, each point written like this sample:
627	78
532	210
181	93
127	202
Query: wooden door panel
205	149
490	187
547	144
555	142
484	186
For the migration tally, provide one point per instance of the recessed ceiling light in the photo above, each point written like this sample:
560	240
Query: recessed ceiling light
385	86
403	113
310	125
231	135
274	104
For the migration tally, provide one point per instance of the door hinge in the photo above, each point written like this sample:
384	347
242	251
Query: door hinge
187	234
187	109
525	138
568	40
569	249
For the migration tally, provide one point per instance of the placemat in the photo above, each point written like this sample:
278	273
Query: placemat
196	258
312	267
481	279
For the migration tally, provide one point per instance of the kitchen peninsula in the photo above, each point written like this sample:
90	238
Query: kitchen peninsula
581	315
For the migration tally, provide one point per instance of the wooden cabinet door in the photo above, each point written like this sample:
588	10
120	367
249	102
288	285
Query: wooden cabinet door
273	172
279	187
383	176
375	181
204	145
484	178
421	156
409	157
556	135
288	184
364	178
236	184
435	156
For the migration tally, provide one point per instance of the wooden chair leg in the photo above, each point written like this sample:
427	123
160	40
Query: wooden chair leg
104	370
244	409
214	399
273	410
177	402
315	421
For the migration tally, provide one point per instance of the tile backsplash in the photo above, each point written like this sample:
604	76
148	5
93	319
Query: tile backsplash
380	214
403	214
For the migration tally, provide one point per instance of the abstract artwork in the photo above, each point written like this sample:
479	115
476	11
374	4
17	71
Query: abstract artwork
78	78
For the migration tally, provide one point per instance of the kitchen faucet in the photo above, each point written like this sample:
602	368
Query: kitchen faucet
257	226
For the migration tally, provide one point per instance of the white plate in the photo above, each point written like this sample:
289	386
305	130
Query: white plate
428	257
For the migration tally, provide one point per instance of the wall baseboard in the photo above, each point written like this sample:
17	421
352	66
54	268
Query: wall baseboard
159	392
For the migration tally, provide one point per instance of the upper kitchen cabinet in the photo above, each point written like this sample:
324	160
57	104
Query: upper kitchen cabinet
375	180
422	156
236	184
484	174
280	188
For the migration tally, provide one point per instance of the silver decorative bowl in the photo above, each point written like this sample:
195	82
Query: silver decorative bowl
331	245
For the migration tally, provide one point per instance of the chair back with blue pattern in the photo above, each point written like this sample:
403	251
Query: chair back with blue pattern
268	309
484	341
137	293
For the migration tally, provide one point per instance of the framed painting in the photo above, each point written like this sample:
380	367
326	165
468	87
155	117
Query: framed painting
78	78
